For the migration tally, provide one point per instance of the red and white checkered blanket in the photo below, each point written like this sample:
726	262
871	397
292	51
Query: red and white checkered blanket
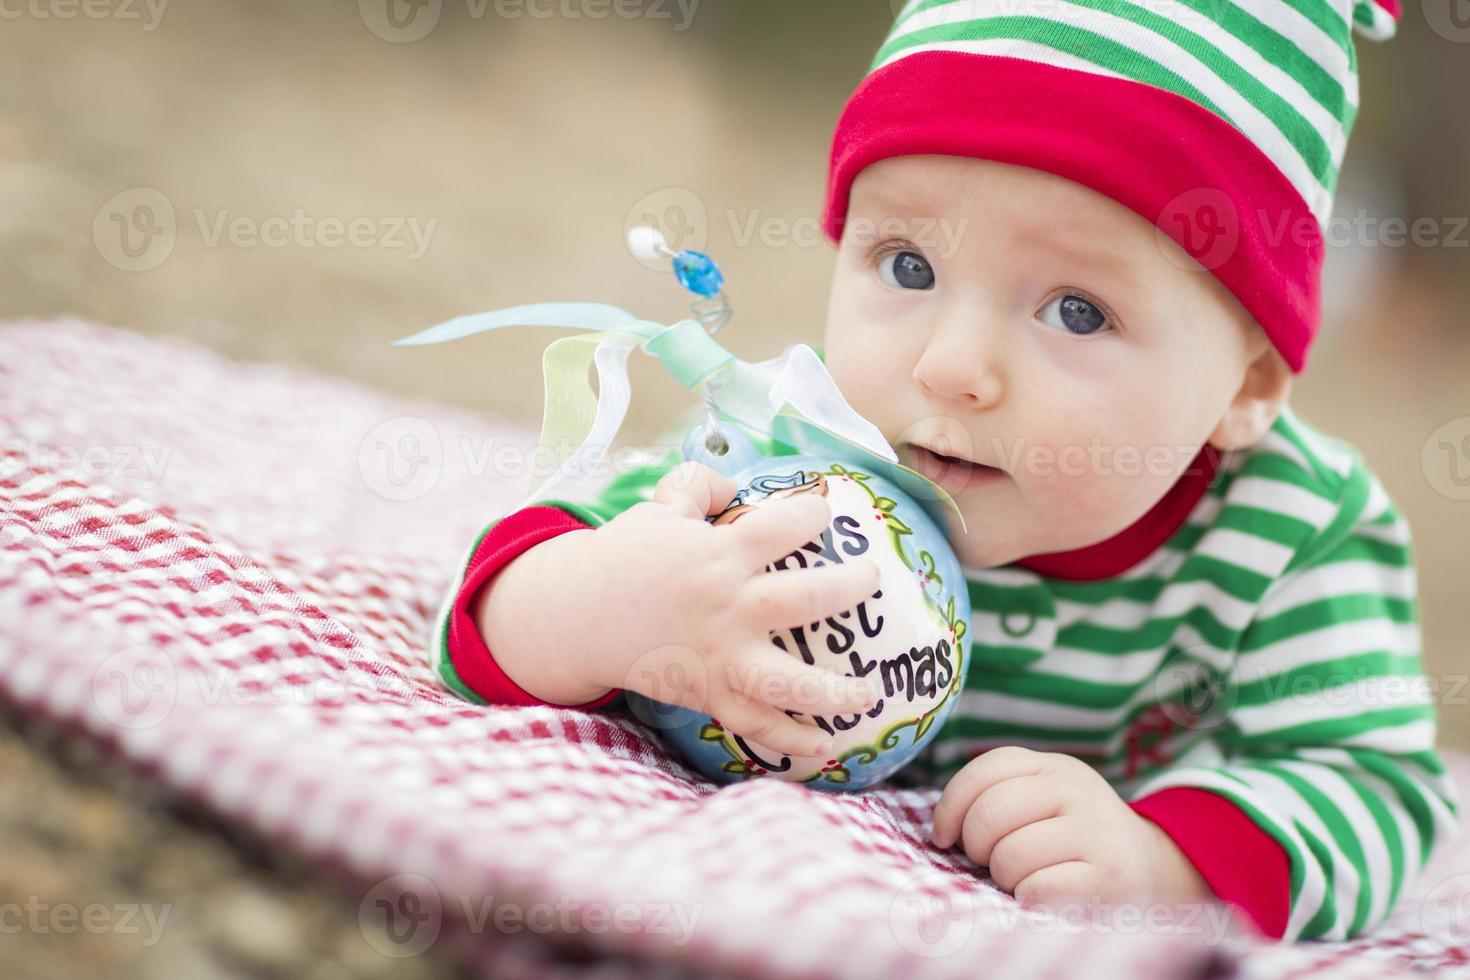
225	573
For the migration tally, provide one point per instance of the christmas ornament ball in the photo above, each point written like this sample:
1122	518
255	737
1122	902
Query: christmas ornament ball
908	638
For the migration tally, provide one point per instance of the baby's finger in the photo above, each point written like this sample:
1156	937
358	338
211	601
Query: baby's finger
774	729
975	778
1032	847
1004	809
775	600
764	674
776	528
1068	880
695	490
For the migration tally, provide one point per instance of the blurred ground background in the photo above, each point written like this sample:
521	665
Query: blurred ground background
520	146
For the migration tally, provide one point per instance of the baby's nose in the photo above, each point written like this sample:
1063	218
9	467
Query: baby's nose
955	378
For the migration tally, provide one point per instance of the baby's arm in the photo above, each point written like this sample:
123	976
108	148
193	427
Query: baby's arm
457	646
585	611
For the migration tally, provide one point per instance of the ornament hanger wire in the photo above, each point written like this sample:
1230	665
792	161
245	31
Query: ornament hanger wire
699	274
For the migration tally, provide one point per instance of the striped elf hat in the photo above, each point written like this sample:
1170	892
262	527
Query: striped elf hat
1222	122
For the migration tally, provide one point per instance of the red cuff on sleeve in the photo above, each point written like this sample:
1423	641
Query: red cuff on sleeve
1241	863
514	535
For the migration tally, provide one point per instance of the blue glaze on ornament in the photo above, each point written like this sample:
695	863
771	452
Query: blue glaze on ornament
909	638
698	273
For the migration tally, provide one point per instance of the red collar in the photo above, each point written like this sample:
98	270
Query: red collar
1141	538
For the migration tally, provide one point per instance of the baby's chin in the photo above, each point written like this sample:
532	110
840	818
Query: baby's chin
986	540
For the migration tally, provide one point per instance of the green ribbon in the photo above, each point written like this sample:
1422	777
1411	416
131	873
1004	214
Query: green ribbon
791	397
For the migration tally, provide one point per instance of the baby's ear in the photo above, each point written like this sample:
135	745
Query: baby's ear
1256	405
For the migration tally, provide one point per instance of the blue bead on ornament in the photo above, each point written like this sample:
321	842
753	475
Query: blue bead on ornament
698	273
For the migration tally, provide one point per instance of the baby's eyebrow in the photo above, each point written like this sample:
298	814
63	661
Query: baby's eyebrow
1090	249
1093	248
906	201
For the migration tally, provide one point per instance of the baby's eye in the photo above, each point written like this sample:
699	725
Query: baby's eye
1075	315
906	270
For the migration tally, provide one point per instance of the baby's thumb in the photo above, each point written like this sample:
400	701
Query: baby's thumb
695	490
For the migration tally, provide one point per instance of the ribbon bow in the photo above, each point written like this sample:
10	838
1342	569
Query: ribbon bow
791	397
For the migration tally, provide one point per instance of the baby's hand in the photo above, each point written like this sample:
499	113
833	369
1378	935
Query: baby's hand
689	607
1050	828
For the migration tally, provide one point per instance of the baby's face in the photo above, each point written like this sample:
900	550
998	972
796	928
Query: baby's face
1021	321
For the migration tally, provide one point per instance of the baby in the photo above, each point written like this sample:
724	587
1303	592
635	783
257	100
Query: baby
1078	268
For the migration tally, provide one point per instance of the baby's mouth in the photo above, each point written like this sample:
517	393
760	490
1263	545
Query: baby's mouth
953	473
